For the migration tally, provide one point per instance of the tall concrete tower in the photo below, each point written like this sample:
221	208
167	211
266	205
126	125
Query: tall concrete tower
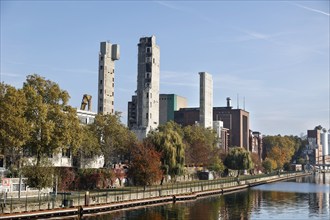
206	100
106	86
147	94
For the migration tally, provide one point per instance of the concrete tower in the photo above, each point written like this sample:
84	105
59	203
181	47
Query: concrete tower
147	94
206	100
106	86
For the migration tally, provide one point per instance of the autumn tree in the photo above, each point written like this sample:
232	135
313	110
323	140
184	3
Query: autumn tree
114	139
145	166
200	145
238	159
281	149
269	165
167	140
257	163
14	129
54	124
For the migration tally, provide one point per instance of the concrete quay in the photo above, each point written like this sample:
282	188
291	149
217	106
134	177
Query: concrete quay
158	196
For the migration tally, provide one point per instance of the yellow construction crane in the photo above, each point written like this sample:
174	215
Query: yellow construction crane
87	100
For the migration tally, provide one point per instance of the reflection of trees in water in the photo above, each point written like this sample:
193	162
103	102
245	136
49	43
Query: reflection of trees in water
237	205
240	205
165	212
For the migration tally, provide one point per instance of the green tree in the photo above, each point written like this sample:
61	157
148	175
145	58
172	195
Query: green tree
238	159
145	166
54	124
269	165
14	129
39	176
167	140
115	140
217	165
90	146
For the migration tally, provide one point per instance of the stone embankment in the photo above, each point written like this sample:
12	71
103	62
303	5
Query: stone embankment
109	201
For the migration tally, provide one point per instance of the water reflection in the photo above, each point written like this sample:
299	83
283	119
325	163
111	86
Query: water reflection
302	198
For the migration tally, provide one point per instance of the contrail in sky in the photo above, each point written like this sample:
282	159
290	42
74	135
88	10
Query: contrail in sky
312	9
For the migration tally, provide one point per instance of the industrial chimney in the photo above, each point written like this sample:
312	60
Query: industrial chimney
228	102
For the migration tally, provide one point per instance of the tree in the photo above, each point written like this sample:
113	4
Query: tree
145	166
269	165
200	145
54	125
115	140
14	129
256	162
167	140
217	165
39	176
90	146
238	159
281	149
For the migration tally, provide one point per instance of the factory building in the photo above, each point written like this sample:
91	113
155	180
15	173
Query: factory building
109	53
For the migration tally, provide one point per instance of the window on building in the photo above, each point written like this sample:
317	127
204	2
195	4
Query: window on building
100	108
16	187
101	58
146	115
148	49
153	60
150	105
101	67
150	115
113	79
66	153
101	91
147	94
113	85
101	81
112	102
150	95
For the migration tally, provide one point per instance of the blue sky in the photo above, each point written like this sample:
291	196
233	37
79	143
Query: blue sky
273	53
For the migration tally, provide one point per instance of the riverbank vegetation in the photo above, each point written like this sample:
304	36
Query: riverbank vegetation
37	122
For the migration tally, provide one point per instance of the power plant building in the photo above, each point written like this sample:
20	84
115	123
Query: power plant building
168	103
206	100
109	53
235	120
146	102
314	147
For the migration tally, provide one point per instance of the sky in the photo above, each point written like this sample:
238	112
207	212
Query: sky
272	54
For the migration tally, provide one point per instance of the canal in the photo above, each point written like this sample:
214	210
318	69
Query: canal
301	198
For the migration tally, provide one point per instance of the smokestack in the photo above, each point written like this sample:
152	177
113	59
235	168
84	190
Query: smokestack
228	102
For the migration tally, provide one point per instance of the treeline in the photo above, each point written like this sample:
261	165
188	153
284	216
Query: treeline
281	151
37	122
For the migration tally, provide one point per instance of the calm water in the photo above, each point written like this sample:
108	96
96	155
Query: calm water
302	198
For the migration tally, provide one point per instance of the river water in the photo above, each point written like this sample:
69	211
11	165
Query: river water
301	198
